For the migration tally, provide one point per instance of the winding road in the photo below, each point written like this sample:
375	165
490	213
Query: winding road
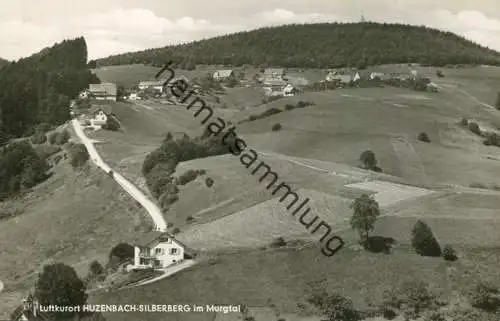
151	208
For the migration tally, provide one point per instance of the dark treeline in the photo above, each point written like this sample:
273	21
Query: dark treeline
3	62
20	168
37	89
325	45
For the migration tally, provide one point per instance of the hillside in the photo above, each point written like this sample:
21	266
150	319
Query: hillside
37	89
3	62
320	46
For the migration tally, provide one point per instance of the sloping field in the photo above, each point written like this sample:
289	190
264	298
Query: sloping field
258	225
242	97
86	213
235	187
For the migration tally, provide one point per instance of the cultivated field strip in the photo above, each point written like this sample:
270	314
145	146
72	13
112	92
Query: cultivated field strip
387	194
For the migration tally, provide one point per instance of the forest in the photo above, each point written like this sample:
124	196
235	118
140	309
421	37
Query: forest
324	45
38	89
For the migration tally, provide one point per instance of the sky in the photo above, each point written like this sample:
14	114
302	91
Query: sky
117	26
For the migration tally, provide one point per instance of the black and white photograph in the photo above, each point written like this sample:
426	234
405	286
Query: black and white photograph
319	160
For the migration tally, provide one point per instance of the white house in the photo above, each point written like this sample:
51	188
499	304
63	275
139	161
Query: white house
152	84
100	118
289	90
84	94
157	250
103	91
134	96
378	75
223	74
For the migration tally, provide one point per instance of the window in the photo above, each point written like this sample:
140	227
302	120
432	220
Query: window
174	251
142	262
158	251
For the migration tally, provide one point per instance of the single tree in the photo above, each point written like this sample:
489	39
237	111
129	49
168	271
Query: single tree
449	253
366	212
96	268
423	241
368	159
59	285
424	137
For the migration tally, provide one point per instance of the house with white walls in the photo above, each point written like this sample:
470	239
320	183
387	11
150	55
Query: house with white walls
99	118
157	250
289	90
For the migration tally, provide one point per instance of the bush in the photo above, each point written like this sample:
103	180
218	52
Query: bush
189	219
209	182
122	251
439	73
449	253
111	124
423	241
176	230
368	159
278	242
423	137
474	127
79	155
39	138
413	297
302	104
96	268
187	177
492	139
276	127
289	106
464	122
484	296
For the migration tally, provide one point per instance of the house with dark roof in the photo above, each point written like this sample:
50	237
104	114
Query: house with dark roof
274	73
157	250
29	311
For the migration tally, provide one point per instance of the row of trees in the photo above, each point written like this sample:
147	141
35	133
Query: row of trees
324	45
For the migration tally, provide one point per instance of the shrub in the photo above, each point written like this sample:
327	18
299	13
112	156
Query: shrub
368	159
189	219
302	104
79	155
449	253
289	106
484	296
492	139
423	137
276	127
423	241
122	251
474	127
96	268
464	122
209	182
411	296
187	177
439	73
111	124
201	172
39	138
176	230
278	242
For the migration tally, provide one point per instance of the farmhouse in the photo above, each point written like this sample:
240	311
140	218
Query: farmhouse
289	90
375	75
153	85
157	250
222	74
104	91
100	117
274	73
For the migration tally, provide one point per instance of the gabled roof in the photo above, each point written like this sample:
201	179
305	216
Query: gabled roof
104	88
151	237
223	73
274	71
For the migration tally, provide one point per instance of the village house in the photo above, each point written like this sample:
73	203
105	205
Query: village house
221	75
274	73
157	250
289	90
84	94
104	91
100	118
375	75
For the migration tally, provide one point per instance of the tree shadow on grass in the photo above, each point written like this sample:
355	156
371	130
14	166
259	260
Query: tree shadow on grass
378	244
